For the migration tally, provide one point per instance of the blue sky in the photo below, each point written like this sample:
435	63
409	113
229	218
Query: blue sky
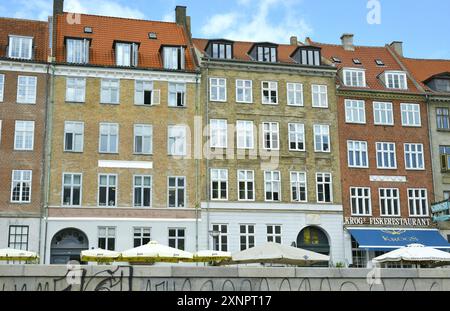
422	25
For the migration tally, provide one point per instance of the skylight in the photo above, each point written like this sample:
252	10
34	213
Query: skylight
379	62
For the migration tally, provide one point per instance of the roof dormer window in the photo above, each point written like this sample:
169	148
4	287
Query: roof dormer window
20	47
222	50
127	54
77	50
395	80
354	77
174	57
379	62
308	55
267	54
439	83
357	61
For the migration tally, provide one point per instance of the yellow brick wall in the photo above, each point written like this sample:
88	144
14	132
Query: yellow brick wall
126	114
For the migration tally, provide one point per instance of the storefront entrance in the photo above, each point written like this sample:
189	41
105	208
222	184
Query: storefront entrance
67	245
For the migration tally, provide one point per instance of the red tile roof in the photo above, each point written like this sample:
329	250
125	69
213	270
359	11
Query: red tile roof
106	30
241	49
367	56
423	69
28	28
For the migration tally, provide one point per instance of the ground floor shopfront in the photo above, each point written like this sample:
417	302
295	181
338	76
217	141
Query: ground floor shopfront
237	226
367	243
20	233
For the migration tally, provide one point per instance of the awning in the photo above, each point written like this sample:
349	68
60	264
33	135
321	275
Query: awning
389	239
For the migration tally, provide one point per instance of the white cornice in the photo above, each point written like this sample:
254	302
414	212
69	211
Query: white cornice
268	207
22	67
117	73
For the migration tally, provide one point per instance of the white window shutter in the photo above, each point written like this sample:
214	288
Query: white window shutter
86	51
156	97
183	58
135	52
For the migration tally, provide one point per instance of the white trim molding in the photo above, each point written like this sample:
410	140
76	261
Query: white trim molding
125	164
398	179
17	66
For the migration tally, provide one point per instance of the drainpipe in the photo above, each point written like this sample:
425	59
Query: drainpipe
432	152
197	167
48	156
208	181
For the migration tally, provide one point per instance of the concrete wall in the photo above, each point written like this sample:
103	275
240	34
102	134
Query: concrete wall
125	278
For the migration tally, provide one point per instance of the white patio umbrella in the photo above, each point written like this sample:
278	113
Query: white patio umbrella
415	254
155	252
278	254
99	255
208	256
8	254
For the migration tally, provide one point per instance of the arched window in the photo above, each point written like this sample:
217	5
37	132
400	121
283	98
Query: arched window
314	239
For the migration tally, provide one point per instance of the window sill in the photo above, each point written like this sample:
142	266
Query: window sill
143	154
359	167
270	104
110	104
74	103
20	203
245	103
296	106
108	153
177	107
443	130
385	125
73	152
23	150
319	107
25	103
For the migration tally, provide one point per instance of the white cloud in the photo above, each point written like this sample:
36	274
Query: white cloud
265	20
41	9
169	17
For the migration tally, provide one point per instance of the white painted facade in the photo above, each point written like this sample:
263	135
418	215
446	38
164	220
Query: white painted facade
124	230
33	231
292	219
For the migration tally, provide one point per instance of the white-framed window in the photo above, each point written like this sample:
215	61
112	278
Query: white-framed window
177	191
418	202
177	238
2	87
299	189
271	135
274	234
77	51
18	237
222	51
127	54
322	141
411	115
145	95
354	77
218	133
143	139
26	90
383	113
247	236
73	136
107	190
219	184
141	236
324	188
355	111
24	136
360	201
296	137
218	89
386	156
246	185
72	189
177	94
319	96
269	92
174	58
220	237
177	140
414	157
389	202
266	54
21	186
244	91
272	186
109	138
75	90
295	94
396	80
20	47
110	91
357	154
142	191
244	133
107	238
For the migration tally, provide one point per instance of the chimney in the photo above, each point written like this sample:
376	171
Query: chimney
182	19
58	7
398	47
294	40
347	42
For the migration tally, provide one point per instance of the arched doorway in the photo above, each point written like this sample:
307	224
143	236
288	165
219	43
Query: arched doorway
67	245
314	239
